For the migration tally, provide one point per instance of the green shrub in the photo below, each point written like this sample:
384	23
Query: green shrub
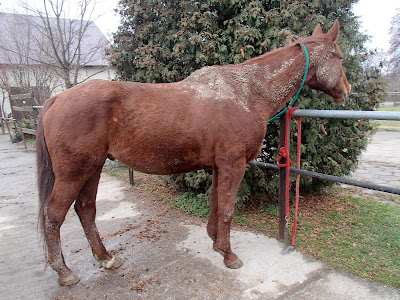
165	41
193	203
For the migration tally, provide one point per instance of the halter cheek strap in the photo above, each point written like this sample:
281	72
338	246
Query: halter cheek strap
298	91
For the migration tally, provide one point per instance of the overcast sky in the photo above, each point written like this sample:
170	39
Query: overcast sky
375	17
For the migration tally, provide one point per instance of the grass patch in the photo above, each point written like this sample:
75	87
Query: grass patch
191	203
121	172
359	236
388	125
389	108
262	219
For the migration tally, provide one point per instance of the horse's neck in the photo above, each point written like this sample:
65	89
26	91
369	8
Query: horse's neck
278	77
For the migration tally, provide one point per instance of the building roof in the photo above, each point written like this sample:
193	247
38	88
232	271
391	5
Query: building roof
25	41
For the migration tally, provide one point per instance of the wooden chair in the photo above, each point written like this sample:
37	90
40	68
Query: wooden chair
24	116
23	111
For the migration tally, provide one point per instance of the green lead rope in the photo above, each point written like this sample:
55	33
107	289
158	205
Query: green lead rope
277	116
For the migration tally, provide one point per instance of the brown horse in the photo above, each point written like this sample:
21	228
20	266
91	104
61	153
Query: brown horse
215	119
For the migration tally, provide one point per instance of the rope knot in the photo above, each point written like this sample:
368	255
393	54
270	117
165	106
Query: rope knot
283	153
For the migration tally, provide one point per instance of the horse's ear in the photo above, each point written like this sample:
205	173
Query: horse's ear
333	33
317	30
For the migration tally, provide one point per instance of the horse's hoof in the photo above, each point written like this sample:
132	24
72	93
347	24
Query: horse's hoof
235	265
68	279
114	263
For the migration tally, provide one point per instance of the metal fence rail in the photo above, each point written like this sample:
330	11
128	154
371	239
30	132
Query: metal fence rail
333	178
342	114
348	114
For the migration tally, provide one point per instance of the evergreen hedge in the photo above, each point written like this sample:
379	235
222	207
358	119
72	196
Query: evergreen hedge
165	41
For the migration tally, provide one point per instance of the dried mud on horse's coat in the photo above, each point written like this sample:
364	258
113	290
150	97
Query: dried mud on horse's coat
215	119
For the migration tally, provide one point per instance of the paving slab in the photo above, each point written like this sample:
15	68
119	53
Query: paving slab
381	160
167	255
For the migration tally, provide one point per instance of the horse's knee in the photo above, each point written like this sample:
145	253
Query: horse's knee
218	222
222	241
226	216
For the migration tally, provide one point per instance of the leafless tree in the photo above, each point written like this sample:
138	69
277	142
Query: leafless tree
393	75
63	42
394	50
20	67
72	46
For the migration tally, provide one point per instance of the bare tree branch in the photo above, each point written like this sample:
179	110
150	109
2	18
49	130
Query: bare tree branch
66	43
394	50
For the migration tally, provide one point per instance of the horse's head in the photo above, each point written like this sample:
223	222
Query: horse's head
326	73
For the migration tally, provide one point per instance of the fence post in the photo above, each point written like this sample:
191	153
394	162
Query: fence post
131	177
283	229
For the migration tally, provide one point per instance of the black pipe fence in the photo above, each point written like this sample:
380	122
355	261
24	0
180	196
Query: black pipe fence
322	176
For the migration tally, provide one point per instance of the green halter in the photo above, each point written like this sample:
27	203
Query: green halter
298	91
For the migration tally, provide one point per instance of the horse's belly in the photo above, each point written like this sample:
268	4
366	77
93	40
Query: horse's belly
164	162
166	169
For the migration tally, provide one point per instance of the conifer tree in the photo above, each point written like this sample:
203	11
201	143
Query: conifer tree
165	41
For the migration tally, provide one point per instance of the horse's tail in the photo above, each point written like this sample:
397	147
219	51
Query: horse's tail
45	174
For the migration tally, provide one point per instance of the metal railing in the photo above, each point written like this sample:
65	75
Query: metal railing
348	114
342	114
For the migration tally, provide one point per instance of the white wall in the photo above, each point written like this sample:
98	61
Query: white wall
87	72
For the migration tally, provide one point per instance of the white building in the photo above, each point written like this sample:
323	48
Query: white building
32	58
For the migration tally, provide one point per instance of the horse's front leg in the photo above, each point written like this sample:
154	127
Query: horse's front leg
229	178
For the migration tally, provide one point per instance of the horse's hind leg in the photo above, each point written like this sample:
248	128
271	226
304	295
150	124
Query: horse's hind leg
61	199
85	207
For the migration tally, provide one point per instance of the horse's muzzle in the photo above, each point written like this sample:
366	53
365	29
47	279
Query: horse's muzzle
347	93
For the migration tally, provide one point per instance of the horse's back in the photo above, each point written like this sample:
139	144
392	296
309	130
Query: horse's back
153	128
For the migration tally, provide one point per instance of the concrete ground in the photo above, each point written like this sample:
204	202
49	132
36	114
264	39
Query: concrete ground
166	255
381	160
